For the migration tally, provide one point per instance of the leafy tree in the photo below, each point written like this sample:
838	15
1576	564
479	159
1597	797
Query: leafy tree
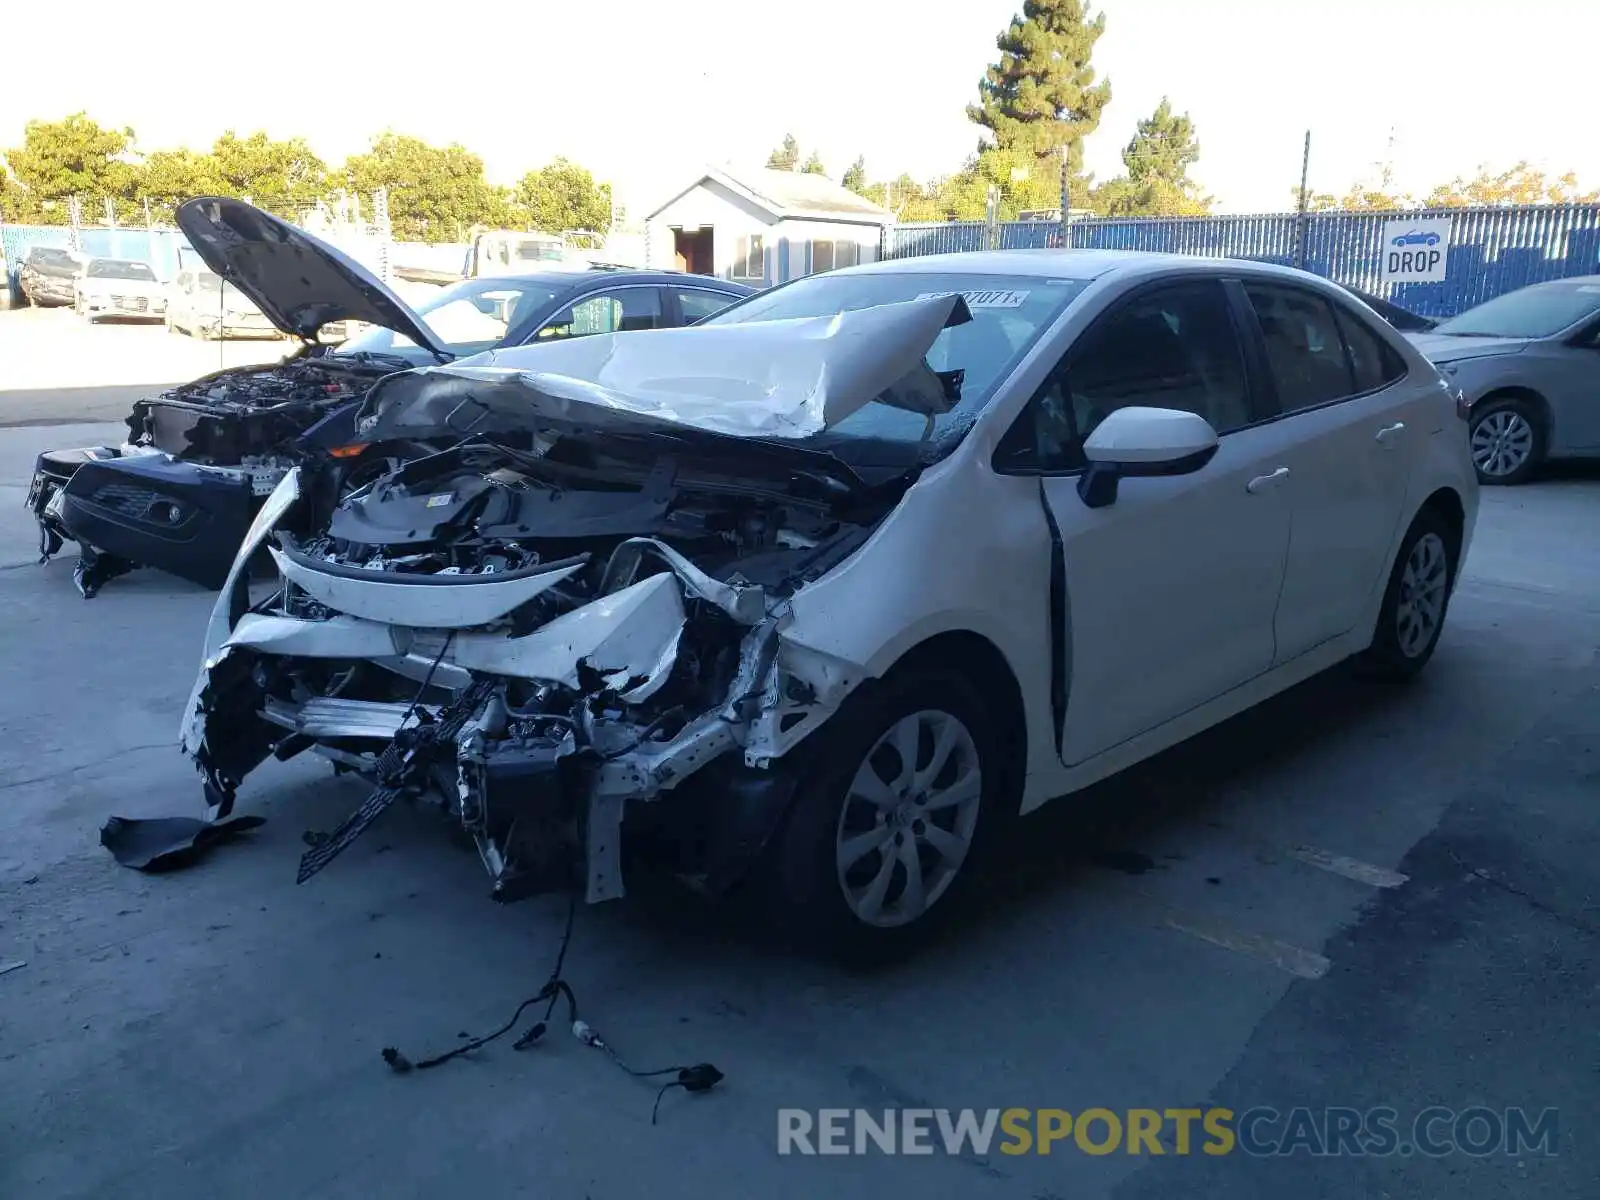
1157	162
1041	97
71	157
279	176
436	194
561	196
813	165
787	156
855	176
169	177
1520	184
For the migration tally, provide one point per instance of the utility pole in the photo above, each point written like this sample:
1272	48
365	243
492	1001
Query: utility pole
1066	200
1300	221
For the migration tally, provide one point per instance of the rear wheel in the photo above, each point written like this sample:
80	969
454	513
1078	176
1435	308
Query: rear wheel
901	794
1415	602
1508	440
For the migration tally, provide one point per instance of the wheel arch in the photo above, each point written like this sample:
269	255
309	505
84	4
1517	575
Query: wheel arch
1446	503
982	662
1529	396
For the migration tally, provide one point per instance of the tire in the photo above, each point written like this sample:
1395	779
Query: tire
1421	583
830	814
1508	439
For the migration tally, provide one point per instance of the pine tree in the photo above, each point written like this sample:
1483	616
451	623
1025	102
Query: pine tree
1042	95
787	156
855	176
1163	148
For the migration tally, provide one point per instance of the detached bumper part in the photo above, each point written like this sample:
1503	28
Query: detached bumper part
158	512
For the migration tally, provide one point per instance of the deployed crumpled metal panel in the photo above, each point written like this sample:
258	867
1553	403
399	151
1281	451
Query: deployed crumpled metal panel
774	379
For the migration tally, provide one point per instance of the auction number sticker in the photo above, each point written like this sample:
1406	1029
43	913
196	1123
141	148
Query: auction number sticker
989	299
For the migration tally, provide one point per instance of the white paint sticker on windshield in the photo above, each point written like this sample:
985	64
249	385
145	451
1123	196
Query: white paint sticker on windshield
988	299
440	500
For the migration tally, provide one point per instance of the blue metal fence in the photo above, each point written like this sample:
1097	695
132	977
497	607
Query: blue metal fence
1492	250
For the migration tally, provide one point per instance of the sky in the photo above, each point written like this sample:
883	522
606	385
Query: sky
646	94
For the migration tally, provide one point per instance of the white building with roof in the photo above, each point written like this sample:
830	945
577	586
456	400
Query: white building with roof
763	227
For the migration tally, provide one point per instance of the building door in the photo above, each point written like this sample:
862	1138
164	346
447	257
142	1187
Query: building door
691	251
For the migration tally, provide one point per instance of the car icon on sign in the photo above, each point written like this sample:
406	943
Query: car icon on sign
1417	237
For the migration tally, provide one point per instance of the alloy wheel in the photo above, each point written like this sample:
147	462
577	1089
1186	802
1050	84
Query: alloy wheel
1423	585
908	818
1501	443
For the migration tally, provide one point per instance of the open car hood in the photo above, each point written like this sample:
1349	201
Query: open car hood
299	282
781	379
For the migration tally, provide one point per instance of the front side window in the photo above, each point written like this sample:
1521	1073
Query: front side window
1305	353
467	318
1171	348
749	258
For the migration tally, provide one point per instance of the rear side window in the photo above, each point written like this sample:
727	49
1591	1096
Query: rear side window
1374	363
1305	351
698	303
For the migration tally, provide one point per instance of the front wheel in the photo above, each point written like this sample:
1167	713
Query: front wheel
1415	602
901	791
1507	439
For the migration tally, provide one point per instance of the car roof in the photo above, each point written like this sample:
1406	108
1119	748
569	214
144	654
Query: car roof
577	277
1082	265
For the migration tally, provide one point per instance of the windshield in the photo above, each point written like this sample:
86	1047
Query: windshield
1543	310
540	251
467	318
116	268
1009	312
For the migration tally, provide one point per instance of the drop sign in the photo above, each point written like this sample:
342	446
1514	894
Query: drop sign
1415	251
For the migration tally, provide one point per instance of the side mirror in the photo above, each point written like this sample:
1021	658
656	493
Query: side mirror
1143	443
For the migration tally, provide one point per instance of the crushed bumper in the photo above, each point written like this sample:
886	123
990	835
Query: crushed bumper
540	744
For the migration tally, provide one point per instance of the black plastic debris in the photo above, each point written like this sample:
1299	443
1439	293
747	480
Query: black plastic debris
159	844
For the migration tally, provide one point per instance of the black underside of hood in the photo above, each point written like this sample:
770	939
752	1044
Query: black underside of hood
298	281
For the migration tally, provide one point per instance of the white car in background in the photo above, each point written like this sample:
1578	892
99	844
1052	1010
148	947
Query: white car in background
833	584
118	287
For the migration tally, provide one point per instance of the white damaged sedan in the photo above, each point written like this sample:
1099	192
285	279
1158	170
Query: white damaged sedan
826	589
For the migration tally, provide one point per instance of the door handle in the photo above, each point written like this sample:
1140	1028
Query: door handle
1262	482
1388	434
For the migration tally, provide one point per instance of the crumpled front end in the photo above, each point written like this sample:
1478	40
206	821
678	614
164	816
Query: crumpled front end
544	661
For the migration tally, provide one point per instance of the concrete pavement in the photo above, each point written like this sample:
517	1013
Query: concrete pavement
1188	934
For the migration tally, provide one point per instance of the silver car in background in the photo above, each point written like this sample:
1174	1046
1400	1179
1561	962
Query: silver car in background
1528	366
199	303
119	287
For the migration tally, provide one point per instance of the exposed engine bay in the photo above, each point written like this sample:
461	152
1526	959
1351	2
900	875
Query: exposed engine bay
247	415
534	637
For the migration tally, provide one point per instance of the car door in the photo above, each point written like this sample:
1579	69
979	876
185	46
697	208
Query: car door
1357	422
1566	372
1168	593
607	310
695	304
